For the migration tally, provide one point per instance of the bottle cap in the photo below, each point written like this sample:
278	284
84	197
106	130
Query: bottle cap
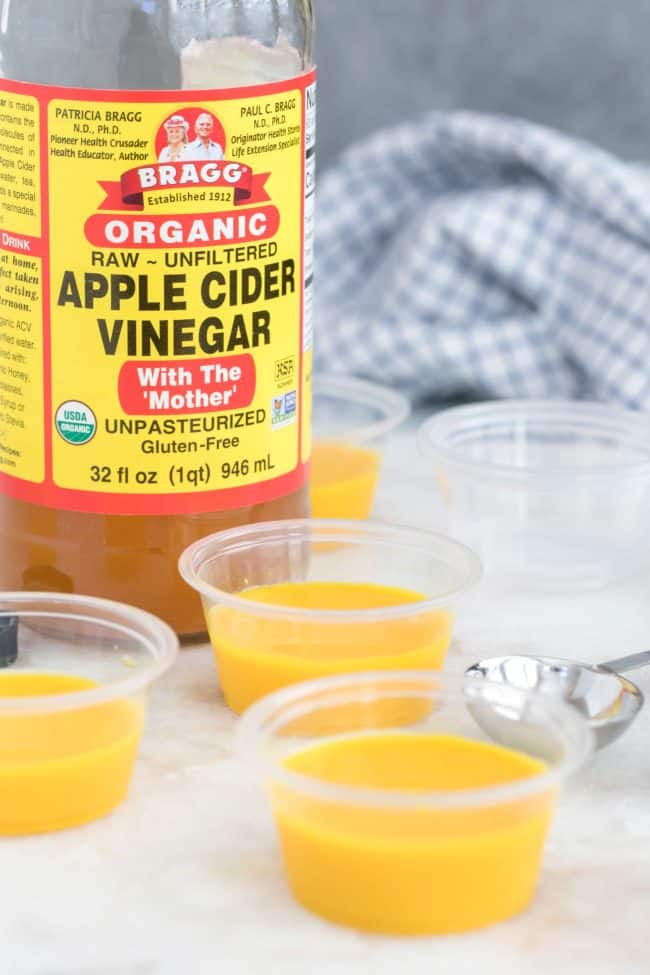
8	640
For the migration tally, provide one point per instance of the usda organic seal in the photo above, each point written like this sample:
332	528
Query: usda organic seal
75	422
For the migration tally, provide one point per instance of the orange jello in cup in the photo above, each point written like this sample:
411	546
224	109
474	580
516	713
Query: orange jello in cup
422	828
256	654
343	480
352	421
72	706
294	600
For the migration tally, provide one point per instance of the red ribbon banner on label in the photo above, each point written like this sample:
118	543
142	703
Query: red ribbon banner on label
129	193
230	227
187	386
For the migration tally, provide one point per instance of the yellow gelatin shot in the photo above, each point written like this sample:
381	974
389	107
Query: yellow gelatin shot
412	870
343	480
62	768
289	601
75	672
412	802
257	652
353	422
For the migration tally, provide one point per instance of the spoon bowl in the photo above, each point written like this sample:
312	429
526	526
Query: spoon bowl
608	701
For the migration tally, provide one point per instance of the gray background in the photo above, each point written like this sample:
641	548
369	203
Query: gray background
580	65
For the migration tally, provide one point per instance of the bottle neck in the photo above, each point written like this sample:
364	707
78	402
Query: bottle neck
154	44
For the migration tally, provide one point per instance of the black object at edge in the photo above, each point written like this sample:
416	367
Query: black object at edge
8	640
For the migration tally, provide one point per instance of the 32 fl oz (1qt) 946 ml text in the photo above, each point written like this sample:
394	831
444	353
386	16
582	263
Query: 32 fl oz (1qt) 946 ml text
179	474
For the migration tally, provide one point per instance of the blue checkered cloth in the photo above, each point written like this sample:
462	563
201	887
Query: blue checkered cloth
465	255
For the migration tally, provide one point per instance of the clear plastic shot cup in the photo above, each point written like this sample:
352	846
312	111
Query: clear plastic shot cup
412	803
352	423
553	495
288	601
74	676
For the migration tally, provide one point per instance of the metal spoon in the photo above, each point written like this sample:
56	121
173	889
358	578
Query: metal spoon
609	702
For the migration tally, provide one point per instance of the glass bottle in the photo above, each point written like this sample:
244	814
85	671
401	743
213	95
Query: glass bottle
139	45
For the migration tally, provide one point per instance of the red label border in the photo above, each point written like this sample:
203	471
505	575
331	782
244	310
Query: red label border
199	502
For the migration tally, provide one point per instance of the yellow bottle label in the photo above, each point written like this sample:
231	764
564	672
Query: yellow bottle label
155	286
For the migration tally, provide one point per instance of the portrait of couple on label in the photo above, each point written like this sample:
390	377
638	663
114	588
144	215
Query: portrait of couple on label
194	135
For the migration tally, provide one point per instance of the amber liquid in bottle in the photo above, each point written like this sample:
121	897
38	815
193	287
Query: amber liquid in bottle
132	45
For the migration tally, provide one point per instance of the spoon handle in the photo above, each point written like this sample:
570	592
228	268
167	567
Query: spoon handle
632	662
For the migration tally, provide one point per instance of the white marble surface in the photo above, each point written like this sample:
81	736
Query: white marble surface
185	878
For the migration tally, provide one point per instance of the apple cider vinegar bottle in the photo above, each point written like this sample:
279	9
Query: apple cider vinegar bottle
156	213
